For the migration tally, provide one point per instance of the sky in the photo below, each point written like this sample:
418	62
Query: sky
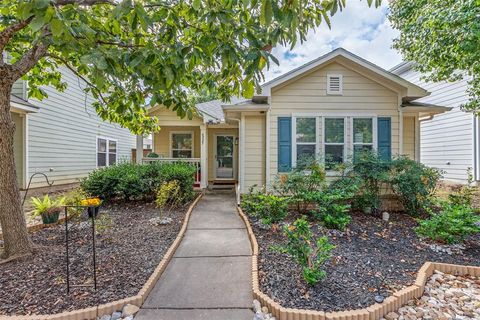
363	30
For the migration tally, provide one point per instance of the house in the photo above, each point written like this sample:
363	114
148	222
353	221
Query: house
330	108
450	141
62	136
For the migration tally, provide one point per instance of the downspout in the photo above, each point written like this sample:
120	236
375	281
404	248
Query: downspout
400	125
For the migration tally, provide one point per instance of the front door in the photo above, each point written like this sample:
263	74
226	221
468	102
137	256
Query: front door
224	152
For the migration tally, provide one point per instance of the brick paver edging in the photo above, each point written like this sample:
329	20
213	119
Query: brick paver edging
108	308
373	312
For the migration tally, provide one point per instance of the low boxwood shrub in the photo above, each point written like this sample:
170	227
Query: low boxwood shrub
414	183
333	204
452	224
270	208
309	252
128	181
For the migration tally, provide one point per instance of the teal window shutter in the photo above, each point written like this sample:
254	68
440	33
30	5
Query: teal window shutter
384	131
284	144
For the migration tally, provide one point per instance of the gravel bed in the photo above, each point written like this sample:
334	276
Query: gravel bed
371	255
446	297
129	248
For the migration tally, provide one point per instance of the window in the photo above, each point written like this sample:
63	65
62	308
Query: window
106	152
182	145
306	140
362	136
334	141
334	84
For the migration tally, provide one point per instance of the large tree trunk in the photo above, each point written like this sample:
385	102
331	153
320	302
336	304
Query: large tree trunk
14	227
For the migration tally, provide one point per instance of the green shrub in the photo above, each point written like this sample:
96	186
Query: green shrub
102	183
414	183
309	252
130	181
373	174
452	224
268	207
333	204
464	196
301	185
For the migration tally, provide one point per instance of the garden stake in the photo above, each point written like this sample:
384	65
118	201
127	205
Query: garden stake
30	181
66	245
94	258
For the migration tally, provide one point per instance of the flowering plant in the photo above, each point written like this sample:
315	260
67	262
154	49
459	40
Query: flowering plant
91	202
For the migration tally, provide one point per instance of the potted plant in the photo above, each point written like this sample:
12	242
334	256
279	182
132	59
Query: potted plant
93	206
49	209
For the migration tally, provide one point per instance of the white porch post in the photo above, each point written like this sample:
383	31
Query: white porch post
139	149
203	156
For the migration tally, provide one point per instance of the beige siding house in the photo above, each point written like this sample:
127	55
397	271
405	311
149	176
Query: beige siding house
330	109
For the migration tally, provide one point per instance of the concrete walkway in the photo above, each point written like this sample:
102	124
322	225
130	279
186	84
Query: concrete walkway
210	274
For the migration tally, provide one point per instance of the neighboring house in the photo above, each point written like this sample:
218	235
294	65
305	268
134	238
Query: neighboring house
62	136
330	108
450	141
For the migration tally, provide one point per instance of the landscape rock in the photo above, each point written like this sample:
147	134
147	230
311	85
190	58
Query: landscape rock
116	315
129	310
158	221
106	317
257	307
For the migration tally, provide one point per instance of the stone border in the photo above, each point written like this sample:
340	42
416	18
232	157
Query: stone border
373	312
109	308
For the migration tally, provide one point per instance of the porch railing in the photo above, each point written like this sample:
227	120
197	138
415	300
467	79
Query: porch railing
193	161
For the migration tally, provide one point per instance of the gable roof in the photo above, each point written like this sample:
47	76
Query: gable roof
413	91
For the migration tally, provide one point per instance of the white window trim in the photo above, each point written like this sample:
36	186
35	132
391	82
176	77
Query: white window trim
345	124
340	86
294	137
348	132
181	132
374	143
107	160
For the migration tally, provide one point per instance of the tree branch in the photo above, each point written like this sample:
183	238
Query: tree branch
84	2
29	60
8	33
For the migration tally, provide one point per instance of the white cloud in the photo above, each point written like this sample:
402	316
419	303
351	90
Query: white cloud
358	28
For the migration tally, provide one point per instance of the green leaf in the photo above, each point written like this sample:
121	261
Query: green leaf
169	76
37	23
266	12
56	27
41	4
196	4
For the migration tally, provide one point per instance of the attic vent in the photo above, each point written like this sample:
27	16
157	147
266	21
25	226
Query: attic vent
334	84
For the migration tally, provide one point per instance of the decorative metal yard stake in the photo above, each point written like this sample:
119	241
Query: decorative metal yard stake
92	217
30	181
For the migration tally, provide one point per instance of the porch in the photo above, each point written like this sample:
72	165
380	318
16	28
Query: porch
211	148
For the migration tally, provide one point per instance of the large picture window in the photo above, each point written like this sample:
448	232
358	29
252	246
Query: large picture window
182	145
324	138
334	141
106	152
306	140
362	136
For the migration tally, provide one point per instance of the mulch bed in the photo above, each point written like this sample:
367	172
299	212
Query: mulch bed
369	255
129	248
